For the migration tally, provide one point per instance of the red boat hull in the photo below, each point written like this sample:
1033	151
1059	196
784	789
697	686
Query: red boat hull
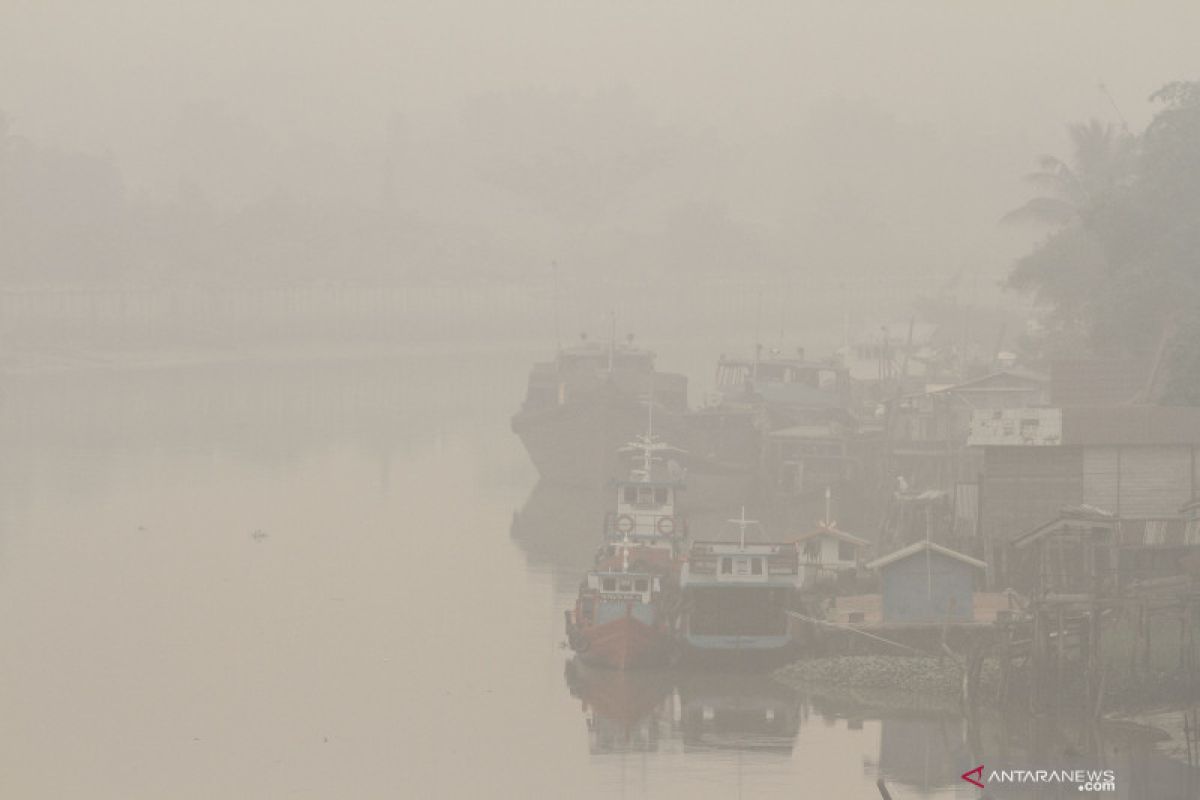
624	643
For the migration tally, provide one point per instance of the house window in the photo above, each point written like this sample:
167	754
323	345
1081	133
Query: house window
756	566
626	586
640	585
727	566
845	551
610	584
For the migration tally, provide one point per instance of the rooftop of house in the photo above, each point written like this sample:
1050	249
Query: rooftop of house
1070	519
916	548
835	533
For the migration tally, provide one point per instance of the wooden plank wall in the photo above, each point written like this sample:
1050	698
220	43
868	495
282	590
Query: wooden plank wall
1140	481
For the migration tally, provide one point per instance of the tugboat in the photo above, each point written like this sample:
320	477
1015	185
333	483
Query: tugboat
625	614
582	407
736	597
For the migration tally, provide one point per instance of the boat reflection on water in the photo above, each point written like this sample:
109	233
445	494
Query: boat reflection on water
653	710
627	711
738	711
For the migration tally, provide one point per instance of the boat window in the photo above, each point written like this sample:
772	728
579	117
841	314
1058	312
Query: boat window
630	494
640	585
726	566
660	496
645	495
827	379
610	584
756	566
626	586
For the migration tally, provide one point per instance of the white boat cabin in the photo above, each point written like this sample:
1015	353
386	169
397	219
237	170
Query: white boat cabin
721	563
636	586
645	510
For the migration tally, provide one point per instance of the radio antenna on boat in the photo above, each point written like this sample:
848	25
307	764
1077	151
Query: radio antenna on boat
742	524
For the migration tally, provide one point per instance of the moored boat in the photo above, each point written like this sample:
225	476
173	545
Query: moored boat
622	619
736	597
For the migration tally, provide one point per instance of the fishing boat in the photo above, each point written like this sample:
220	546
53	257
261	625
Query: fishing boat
736	596
583	406
622	619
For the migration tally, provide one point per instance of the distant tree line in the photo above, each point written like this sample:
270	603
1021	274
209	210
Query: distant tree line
1118	272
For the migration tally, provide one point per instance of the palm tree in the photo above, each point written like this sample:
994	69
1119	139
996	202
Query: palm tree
1102	162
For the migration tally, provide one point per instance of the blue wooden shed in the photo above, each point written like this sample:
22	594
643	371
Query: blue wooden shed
928	583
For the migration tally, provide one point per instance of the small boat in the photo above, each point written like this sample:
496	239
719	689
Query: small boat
736	597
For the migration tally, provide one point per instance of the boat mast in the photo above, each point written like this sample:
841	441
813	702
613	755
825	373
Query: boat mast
742	524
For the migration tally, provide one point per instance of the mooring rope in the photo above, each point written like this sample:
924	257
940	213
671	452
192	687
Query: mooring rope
852	629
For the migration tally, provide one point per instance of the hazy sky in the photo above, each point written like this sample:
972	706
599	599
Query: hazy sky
917	116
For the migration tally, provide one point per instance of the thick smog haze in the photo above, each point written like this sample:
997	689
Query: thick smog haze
599	399
797	137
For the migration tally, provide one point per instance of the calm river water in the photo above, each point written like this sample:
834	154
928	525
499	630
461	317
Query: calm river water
303	578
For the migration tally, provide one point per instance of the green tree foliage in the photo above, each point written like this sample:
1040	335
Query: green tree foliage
1119	269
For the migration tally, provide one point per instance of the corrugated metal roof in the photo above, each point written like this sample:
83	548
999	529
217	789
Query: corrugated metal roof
1112	425
1097	381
